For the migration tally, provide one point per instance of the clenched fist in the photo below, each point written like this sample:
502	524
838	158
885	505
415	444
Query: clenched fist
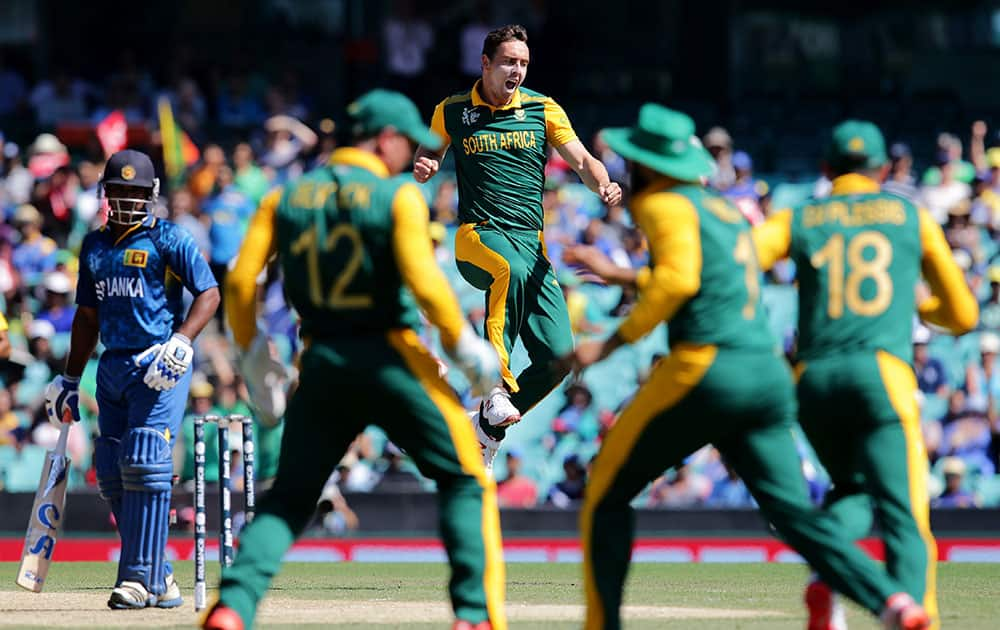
611	194
425	168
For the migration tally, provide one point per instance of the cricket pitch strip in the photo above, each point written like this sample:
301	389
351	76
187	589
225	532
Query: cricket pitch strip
88	610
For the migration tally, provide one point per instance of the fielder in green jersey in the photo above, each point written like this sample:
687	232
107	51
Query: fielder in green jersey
859	255
355	252
723	381
500	132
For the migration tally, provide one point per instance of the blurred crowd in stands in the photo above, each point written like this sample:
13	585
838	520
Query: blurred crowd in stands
270	134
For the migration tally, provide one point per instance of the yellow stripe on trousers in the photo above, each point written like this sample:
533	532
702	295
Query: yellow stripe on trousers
425	369
469	248
671	380
901	385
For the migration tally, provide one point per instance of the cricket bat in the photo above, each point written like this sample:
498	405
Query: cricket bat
46	518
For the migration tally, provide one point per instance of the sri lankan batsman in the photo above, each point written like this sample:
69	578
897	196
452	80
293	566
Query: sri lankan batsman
500	131
722	382
859	254
354	247
133	272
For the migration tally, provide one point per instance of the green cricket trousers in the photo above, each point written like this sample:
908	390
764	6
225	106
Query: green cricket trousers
860	413
742	402
523	299
391	380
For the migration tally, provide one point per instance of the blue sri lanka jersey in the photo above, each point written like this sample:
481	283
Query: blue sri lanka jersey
229	211
136	284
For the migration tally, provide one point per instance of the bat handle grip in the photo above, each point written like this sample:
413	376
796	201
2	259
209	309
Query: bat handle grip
63	437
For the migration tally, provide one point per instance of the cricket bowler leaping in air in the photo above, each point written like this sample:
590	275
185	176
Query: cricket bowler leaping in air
132	275
500	131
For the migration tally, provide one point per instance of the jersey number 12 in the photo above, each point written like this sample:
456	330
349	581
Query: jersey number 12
337	297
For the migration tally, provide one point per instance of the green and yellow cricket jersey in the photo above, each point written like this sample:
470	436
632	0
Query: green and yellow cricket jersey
858	255
703	277
355	252
500	154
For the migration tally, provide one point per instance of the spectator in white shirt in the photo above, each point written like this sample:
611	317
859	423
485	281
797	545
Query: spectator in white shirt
942	197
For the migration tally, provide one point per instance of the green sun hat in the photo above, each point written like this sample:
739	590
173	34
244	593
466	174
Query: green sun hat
375	110
663	140
856	144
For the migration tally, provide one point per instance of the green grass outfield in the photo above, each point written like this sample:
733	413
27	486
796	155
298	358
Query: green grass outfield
545	596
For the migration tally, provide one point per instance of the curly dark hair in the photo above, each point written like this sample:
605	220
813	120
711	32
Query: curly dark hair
503	34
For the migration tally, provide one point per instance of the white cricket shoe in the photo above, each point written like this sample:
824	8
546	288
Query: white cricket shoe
171	598
497	409
489	446
129	595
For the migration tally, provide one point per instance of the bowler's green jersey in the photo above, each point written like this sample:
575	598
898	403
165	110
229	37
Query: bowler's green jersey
500	154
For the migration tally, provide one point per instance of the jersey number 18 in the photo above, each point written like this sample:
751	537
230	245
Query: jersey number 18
844	281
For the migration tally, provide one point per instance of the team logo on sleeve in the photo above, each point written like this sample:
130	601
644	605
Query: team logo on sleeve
136	258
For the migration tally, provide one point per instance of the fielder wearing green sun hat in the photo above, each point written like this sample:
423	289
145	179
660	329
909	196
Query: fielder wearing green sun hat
375	110
856	145
663	140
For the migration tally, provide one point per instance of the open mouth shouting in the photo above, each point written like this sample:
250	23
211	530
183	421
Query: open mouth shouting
511	84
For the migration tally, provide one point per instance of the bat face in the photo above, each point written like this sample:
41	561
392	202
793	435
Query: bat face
44	524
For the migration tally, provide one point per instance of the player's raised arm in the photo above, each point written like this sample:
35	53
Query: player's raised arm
426	161
241	283
670	224
773	239
411	245
951	304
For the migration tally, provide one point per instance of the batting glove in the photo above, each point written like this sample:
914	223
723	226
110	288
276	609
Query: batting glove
62	395
171	362
477	360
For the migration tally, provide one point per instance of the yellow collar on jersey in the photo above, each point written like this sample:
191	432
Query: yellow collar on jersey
477	100
854	184
351	156
148	222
